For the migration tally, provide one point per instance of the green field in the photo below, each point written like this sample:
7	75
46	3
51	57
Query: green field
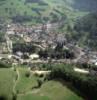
51	90
25	83
24	87
6	83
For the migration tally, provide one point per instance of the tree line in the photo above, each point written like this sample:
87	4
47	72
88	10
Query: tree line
86	84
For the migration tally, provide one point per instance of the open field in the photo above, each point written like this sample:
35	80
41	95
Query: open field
25	83
32	97
6	83
25	87
51	90
55	90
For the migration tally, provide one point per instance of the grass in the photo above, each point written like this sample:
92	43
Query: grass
25	83
50	90
56	91
33	97
8	9
6	82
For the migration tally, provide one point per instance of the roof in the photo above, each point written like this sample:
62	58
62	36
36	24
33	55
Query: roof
34	56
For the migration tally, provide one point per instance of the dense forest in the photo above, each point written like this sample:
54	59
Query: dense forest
86	30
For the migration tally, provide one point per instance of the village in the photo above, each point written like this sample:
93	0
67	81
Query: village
42	36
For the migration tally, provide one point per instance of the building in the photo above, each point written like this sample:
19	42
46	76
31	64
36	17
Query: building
34	56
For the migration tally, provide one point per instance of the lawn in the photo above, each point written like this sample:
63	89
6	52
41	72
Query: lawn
25	83
55	90
51	90
33	97
6	82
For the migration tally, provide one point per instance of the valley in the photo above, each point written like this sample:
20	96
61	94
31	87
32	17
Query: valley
48	50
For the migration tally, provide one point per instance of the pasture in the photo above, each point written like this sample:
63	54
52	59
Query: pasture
26	86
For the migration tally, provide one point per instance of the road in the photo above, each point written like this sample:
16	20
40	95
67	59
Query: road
40	72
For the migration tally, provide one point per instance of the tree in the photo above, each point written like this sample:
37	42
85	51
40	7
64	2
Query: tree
39	83
27	74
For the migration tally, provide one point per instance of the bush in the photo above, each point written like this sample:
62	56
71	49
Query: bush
14	96
39	83
3	97
27	74
3	65
84	83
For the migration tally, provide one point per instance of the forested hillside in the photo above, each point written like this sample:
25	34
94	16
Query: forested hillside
86	30
37	11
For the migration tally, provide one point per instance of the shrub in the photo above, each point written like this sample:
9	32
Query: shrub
3	65
27	74
14	96
3	97
84	83
39	83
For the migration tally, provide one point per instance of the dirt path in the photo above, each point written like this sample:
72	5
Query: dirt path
40	72
16	80
31	91
81	70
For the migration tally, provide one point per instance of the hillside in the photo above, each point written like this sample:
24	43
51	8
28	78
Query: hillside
71	13
85	5
37	11
26	87
86	30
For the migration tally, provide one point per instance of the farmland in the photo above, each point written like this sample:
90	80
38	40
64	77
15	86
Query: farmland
6	83
26	87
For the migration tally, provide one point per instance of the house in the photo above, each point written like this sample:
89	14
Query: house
19	54
10	32
34	56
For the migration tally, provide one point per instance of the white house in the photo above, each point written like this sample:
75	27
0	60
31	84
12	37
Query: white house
34	56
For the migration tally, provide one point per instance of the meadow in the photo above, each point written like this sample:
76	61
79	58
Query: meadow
12	80
6	83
